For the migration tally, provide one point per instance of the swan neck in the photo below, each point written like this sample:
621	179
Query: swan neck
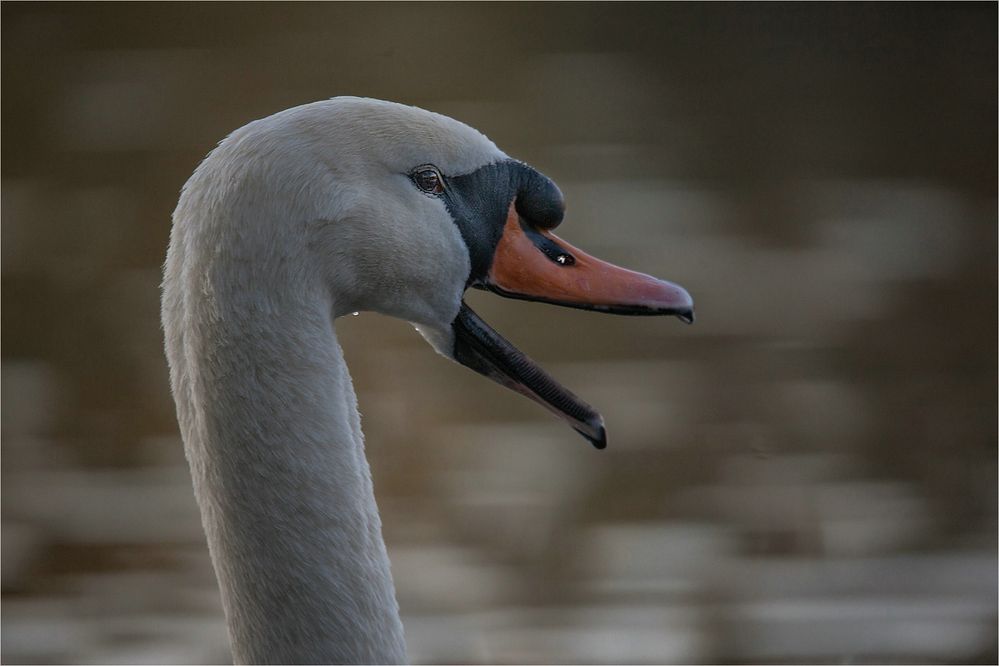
273	437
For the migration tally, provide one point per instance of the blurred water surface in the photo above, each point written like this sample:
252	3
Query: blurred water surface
807	474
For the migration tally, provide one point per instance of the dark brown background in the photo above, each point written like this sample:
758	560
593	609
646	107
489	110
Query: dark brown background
807	474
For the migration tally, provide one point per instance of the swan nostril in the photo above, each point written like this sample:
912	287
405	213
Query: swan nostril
547	246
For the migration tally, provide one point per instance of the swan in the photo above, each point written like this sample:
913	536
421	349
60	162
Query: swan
293	220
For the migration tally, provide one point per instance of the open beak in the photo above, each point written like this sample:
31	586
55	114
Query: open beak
534	264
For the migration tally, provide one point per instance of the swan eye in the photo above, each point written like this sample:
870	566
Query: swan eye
428	179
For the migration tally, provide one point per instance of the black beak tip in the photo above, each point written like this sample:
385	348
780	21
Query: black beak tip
597	436
686	315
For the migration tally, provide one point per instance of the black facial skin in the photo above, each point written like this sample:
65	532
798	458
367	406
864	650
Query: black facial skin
479	201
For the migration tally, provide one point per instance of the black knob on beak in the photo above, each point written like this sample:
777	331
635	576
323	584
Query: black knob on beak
539	201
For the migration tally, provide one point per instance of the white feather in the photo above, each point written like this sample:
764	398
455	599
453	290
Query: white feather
291	221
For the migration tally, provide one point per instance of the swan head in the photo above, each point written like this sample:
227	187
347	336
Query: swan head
401	210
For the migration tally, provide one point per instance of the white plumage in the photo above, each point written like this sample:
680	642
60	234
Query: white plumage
292	221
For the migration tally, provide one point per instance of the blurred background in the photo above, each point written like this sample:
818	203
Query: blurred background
807	474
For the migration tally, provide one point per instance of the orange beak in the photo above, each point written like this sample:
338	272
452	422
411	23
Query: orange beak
535	264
